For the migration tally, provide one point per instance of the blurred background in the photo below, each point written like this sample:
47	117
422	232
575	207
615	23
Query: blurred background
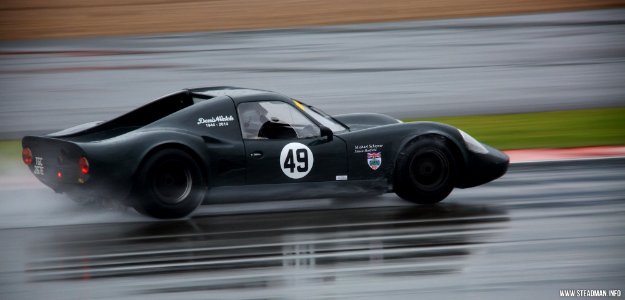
35	19
64	63
515	74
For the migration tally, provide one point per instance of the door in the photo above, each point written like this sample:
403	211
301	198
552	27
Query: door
282	145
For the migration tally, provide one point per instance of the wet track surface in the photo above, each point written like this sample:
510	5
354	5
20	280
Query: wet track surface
405	69
541	228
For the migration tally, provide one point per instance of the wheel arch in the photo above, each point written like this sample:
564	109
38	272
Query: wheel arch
174	145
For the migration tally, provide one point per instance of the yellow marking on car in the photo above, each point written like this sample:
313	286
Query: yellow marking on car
299	105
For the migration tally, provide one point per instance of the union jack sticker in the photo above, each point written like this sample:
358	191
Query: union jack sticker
374	160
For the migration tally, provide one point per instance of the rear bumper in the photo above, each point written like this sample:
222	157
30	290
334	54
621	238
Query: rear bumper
483	168
56	163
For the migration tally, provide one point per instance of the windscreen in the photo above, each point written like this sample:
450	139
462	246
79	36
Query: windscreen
321	117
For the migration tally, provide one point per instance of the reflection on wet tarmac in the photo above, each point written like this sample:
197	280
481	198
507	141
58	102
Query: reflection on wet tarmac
268	250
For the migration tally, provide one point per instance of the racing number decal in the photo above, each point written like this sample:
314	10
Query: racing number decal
302	159
296	160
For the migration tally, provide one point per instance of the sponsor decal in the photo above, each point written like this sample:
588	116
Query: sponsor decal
296	160
218	121
38	169
374	160
367	148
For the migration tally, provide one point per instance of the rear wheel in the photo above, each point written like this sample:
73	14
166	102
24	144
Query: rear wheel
427	173
169	185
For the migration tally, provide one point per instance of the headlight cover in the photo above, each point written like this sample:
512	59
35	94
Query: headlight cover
472	143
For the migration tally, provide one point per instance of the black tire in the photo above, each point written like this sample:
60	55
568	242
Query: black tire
426	173
169	185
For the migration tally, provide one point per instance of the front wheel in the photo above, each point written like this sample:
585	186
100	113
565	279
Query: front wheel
426	174
169	185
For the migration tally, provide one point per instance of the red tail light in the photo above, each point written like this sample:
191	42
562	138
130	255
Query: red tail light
27	156
59	175
84	165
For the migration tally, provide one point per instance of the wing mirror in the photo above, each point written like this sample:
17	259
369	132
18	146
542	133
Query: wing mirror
326	133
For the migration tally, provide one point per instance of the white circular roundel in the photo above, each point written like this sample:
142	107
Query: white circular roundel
296	160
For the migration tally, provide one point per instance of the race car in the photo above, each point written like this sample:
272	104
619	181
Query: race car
227	144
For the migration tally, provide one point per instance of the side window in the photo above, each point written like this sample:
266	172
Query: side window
274	120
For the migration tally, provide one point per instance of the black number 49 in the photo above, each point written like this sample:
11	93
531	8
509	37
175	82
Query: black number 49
301	156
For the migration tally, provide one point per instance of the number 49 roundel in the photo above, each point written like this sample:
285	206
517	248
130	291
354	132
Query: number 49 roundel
296	160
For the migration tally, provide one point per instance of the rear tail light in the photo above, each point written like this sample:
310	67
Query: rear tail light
84	165
27	156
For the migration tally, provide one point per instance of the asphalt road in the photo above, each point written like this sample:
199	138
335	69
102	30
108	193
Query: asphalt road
405	69
541	228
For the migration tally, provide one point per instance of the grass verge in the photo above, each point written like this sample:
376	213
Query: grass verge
558	129
10	156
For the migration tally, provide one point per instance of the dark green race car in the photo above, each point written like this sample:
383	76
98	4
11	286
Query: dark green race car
227	144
